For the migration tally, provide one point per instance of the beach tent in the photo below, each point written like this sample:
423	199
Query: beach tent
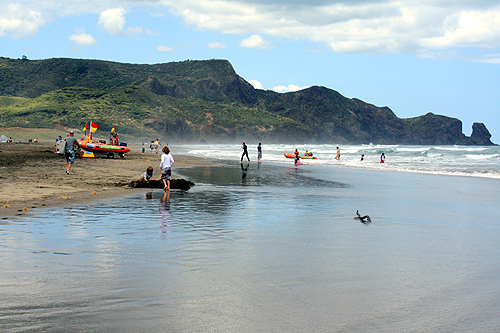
3	138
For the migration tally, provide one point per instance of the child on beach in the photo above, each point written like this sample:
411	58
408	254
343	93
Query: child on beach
148	175
338	154
166	169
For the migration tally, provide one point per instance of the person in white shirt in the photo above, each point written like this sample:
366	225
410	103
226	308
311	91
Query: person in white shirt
166	169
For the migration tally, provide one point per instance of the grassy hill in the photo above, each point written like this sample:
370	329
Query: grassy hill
199	100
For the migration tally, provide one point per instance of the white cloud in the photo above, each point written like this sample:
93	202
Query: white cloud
19	21
369	26
255	42
216	45
469	28
112	20
163	48
490	59
83	39
289	88
133	31
256	84
384	26
151	32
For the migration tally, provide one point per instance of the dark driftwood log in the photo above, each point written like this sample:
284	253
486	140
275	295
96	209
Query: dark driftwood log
175	184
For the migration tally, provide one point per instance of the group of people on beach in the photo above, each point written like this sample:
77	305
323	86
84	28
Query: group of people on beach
166	163
245	152
167	160
70	143
155	145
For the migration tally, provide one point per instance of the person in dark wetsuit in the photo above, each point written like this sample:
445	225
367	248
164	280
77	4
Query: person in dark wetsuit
245	152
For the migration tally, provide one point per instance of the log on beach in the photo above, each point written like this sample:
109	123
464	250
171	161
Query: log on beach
175	184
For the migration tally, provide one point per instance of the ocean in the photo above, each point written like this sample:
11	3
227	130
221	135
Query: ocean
477	161
270	247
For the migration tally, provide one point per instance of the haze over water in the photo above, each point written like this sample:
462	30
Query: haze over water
266	247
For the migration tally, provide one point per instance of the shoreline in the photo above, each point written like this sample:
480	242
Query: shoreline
33	176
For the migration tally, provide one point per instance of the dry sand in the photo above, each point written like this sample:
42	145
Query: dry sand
34	176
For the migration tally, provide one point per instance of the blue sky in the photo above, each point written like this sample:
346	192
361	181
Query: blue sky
414	56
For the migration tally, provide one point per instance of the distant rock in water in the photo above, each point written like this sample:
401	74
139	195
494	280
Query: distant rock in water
480	135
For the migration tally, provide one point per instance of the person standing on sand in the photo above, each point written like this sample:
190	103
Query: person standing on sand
259	152
245	152
69	150
338	154
166	169
57	146
157	144
382	158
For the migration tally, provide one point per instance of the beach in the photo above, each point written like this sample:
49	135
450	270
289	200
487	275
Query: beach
263	247
32	176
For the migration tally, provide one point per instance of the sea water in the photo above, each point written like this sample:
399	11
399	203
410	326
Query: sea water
479	161
262	247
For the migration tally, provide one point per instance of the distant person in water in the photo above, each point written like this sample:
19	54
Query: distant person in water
297	157
245	152
69	150
166	169
338	154
382	158
259	152
362	157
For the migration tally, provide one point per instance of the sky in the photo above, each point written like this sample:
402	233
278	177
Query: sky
413	56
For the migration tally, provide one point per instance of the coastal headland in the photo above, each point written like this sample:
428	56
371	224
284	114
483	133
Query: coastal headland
204	101
33	176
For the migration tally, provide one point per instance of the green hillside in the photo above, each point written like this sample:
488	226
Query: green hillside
200	100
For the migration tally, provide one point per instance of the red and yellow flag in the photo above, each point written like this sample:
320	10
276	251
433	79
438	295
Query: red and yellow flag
93	127
86	127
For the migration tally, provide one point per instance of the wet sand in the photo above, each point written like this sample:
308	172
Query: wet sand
34	176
